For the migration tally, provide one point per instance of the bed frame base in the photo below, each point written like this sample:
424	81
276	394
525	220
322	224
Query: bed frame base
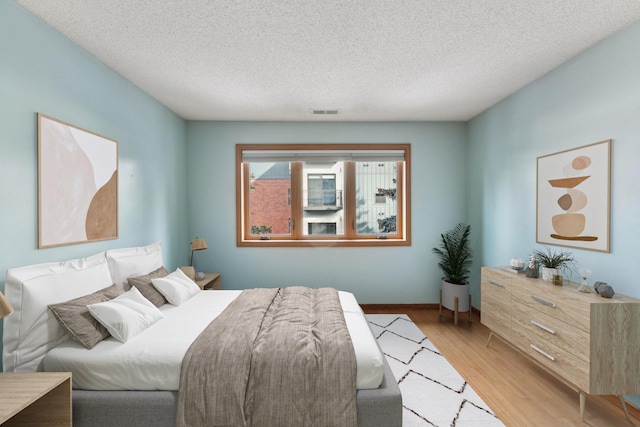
378	407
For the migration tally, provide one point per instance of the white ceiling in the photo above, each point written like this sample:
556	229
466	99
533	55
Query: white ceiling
374	60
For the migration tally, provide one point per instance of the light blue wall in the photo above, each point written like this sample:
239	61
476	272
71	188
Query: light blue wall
375	275
42	71
482	172
595	96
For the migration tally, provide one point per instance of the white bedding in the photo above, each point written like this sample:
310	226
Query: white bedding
152	360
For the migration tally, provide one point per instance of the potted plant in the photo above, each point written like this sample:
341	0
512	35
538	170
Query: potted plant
455	261
552	263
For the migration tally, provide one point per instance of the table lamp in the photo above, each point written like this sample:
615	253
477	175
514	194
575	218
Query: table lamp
197	244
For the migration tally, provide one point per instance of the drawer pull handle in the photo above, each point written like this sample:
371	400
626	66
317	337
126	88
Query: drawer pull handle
544	353
493	282
541	301
543	327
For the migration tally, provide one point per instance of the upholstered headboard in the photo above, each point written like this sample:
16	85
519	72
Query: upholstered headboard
32	330
130	262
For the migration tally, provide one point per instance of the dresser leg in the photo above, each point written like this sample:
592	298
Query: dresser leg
469	309
440	312
489	340
624	407
455	311
583	403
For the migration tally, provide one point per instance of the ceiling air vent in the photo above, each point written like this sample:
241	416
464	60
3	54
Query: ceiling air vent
325	112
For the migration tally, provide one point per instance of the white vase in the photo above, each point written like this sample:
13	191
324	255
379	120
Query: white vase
548	273
450	291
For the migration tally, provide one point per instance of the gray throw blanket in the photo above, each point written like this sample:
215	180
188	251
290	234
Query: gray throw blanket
274	357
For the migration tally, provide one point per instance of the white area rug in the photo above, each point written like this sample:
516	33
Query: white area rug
433	393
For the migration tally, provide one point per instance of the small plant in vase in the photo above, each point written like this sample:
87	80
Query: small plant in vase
553	263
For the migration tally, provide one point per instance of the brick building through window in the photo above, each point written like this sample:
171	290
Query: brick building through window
270	198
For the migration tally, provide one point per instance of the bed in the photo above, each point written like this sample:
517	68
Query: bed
137	382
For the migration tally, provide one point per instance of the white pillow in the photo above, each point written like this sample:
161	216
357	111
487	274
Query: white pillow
132	262
176	287
126	315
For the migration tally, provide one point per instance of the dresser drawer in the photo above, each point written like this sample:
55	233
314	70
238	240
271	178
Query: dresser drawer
565	336
561	362
499	279
495	315
496	285
497	289
495	296
562	303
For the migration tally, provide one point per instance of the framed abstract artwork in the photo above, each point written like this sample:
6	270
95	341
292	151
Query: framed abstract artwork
77	185
573	197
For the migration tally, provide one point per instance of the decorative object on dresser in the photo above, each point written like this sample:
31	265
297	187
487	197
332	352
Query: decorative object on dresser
584	273
455	261
604	290
532	267
516	263
553	263
589	343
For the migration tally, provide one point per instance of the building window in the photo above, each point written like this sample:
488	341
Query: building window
322	228
323	194
321	190
269	206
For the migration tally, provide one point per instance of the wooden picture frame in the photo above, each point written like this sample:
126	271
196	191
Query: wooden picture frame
573	201
77	185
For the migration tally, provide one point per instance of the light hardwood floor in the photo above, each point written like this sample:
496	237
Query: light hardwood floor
520	393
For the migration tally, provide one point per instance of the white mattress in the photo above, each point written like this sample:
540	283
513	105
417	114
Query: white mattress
152	360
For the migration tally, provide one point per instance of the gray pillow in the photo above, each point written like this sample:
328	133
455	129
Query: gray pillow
146	288
74	316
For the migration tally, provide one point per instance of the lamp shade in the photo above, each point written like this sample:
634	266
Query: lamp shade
5	307
198	244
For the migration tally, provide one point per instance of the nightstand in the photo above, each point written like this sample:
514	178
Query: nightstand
35	398
210	281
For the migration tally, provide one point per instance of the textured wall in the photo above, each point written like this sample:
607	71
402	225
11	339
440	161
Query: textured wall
594	97
42	71
407	274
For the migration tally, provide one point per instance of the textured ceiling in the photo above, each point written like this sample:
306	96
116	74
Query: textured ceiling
373	60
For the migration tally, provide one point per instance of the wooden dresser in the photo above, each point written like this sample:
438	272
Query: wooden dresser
589	342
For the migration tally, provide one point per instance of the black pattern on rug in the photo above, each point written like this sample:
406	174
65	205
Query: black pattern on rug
433	393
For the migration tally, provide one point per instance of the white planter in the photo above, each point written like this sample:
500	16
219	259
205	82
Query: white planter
548	273
449	293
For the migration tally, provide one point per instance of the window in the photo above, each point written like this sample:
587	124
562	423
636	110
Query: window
269	199
322	228
321	190
323	194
